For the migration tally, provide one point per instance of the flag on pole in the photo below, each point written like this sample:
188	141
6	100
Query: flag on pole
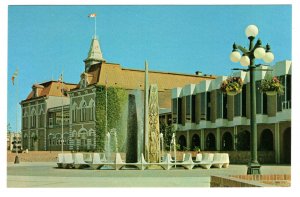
14	76
93	15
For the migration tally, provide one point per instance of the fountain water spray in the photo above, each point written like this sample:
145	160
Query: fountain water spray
114	133
107	146
161	135
173	142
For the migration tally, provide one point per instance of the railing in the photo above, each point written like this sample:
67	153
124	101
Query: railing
286	104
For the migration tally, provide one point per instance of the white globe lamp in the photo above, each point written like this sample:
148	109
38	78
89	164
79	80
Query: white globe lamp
269	57
235	56
245	60
251	31
259	53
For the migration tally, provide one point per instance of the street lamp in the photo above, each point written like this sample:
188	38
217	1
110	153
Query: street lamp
256	51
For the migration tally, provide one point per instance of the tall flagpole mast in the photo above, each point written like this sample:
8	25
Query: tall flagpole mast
106	104
95	25
17	114
62	114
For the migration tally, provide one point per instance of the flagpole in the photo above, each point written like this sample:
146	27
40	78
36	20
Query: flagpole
95	26
106	104
62	114
17	156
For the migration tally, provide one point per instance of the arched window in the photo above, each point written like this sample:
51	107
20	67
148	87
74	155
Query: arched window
92	110
227	141
33	118
182	142
195	142
83	112
41	117
266	140
243	140
210	142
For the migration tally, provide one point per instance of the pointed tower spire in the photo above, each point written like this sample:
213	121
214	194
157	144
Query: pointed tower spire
94	55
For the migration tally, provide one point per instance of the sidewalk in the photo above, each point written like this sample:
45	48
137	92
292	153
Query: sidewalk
46	175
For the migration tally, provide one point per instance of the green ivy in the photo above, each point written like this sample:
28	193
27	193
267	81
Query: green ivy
117	99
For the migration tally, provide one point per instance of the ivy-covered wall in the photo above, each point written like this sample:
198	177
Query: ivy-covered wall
117	101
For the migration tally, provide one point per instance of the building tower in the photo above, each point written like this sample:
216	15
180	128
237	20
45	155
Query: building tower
94	55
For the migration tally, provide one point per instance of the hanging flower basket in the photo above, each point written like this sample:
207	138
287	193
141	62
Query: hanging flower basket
271	86
271	93
232	86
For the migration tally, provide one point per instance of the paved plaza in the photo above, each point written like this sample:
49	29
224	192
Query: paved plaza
47	175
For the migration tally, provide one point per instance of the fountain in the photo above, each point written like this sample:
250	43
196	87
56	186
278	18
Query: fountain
114	140
173	145
161	136
107	146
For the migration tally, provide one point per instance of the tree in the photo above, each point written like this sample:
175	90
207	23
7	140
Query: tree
167	131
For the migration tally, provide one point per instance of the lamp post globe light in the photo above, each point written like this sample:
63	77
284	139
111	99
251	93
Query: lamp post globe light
248	57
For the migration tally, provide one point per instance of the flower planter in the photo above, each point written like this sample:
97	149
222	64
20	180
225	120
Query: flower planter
232	93
271	93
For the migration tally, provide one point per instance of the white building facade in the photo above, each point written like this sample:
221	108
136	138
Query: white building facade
209	120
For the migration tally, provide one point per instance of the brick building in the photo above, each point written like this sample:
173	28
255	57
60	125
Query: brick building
42	109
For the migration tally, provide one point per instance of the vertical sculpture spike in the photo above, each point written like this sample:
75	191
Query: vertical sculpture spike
153	138
146	97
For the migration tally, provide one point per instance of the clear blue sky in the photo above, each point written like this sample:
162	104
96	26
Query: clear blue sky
43	40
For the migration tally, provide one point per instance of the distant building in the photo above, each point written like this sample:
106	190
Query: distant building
14	141
205	117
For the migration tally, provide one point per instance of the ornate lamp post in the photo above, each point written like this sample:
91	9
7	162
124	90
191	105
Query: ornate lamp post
256	51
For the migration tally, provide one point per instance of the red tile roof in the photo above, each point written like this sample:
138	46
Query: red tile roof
50	88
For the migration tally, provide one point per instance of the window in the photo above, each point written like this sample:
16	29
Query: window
265	104
188	108
210	142
78	112
193	108
219	104
244	100
50	122
83	112
208	106
174	110
225	106
33	121
284	101
179	110
203	106
74	115
227	141
237	105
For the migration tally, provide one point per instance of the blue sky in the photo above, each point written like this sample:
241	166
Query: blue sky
44	40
